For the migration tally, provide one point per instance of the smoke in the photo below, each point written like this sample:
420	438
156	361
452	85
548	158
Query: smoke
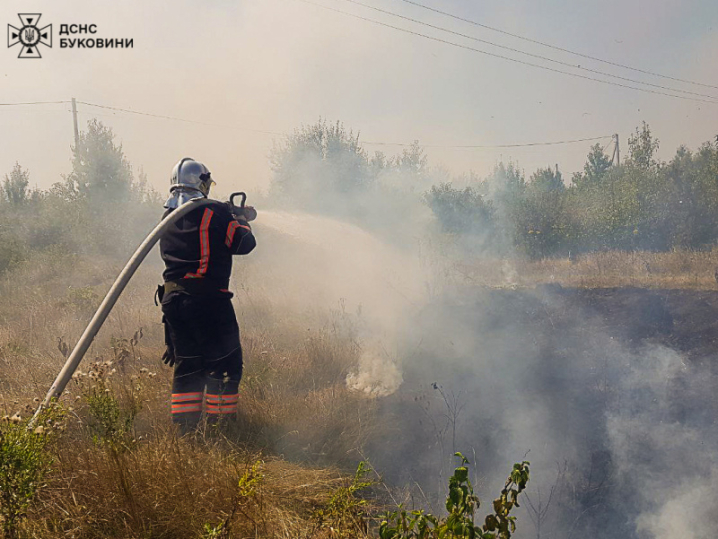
665	456
603	391
318	263
688	512
587	385
608	393
321	260
377	374
548	373
613	408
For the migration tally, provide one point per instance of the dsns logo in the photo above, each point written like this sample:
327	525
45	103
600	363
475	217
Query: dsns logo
29	36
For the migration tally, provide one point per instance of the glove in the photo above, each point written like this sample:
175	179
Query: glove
169	356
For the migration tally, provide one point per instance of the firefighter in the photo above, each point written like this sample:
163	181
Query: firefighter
201	330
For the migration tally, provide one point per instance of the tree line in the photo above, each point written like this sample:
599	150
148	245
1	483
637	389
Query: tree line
644	203
98	208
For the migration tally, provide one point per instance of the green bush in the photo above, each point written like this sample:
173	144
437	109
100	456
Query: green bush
11	252
644	204
345	513
24	463
461	211
98	208
461	505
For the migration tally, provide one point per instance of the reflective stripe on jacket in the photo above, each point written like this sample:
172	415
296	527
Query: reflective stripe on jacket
201	245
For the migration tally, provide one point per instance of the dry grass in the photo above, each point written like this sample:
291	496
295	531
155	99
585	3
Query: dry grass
294	405
296	414
673	270
176	486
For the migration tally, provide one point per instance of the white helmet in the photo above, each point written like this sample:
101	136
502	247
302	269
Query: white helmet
190	179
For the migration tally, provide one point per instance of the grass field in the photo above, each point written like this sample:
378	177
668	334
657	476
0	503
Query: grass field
118	468
129	475
672	270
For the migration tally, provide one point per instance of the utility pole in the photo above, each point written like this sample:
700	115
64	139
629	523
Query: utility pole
617	155
74	121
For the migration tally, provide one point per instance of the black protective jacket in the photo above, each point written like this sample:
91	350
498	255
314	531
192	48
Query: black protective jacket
200	245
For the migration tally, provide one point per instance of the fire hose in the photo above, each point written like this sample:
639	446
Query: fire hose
75	357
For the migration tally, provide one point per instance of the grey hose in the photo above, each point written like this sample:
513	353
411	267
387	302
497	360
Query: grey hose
58	386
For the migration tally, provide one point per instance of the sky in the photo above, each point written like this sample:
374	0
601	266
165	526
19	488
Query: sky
247	69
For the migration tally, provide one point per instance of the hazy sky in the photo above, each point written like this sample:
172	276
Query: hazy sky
272	65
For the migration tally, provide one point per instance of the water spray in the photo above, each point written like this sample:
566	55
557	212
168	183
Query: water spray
74	359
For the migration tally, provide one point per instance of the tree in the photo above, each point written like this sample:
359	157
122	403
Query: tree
507	188
413	160
460	211
320	167
15	186
642	147
99	199
546	180
686	200
541	216
100	172
642	181
506	181
378	164
595	169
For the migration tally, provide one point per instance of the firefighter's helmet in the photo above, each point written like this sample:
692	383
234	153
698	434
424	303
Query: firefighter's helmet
190	179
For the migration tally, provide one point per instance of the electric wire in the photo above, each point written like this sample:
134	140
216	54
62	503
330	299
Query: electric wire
33	103
495	55
479	146
368	143
174	118
519	51
555	47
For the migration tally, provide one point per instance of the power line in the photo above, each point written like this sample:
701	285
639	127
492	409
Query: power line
368	143
473	49
519	51
174	118
544	44
25	111
524	145
33	103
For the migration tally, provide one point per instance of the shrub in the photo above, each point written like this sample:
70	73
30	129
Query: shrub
24	463
345	513
460	211
461	504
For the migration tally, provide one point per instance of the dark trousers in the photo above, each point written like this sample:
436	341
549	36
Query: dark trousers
204	333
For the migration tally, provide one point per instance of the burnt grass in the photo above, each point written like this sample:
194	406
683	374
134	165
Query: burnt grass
580	381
